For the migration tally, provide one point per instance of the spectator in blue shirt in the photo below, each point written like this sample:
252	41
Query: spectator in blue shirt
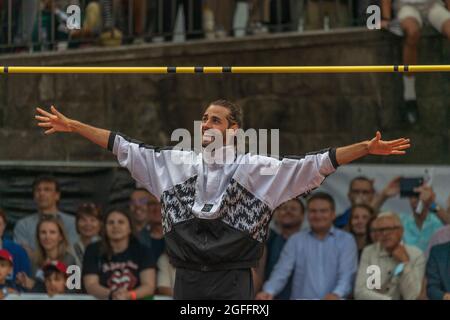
289	219
420	225
21	261
323	260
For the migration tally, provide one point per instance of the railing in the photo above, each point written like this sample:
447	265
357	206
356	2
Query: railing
31	26
43	296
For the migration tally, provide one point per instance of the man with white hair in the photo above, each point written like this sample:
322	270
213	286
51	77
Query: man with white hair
401	267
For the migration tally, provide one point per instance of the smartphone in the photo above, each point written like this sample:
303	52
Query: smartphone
407	186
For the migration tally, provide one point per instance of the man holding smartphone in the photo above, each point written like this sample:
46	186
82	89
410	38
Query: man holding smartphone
420	225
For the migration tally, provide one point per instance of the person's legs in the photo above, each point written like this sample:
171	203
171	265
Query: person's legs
411	23
193	20
223	15
314	16
139	14
259	11
29	15
412	36
439	17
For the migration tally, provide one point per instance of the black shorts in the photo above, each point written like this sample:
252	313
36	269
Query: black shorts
235	284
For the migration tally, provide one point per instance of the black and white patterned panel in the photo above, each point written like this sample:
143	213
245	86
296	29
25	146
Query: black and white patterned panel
243	211
177	202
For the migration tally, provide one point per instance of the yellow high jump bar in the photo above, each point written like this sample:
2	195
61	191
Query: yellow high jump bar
271	69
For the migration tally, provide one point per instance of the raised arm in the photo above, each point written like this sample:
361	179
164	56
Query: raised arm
376	146
57	122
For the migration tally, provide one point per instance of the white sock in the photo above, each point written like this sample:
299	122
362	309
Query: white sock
409	88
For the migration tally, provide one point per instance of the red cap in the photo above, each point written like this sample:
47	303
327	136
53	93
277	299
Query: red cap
5	255
58	265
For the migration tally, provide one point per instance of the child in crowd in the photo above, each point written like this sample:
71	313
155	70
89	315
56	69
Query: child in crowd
55	278
6	268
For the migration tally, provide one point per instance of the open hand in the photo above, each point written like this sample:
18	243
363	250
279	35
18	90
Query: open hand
393	188
23	280
381	147
53	122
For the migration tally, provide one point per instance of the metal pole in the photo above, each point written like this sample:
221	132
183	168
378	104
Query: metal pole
219	69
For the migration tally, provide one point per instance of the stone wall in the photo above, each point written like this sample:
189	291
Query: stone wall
311	111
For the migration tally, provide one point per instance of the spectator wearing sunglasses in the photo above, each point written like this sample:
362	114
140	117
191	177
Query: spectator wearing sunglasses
401	267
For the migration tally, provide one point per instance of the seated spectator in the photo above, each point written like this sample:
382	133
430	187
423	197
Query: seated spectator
88	223
47	194
412	16
152	234
439	237
420	226
6	268
402	267
371	226
52	245
55	278
323	14
20	257
438	275
288	218
217	18
393	189
53	20
118	267
358	225
324	253
109	21
361	191
140	203
92	25
165	276
24	16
